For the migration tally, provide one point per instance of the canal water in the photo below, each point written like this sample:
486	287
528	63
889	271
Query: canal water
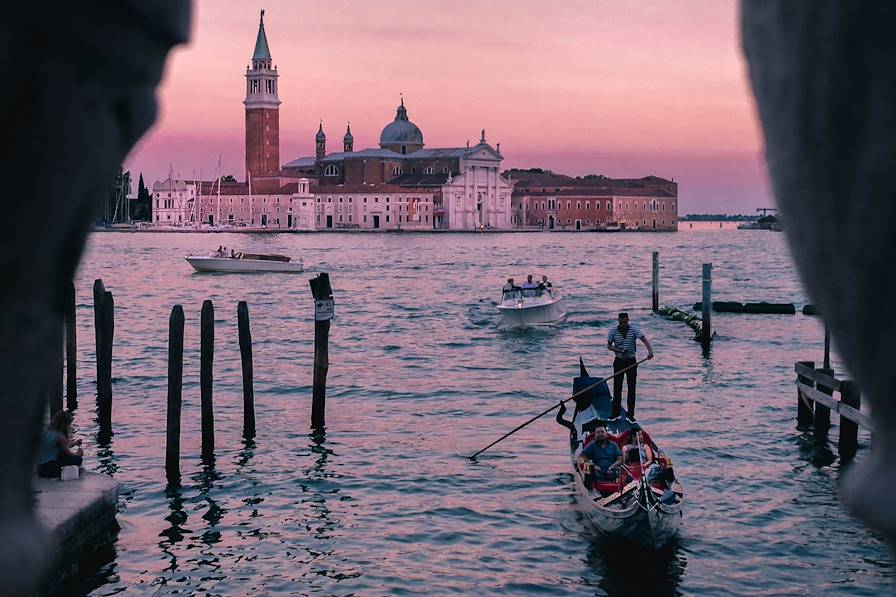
423	373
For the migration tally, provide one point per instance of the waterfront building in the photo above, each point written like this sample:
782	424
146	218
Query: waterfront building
463	184
265	204
374	207
554	201
172	202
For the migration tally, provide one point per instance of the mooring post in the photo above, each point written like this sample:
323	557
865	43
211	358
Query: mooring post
175	385
104	383
707	303
804	412
71	350
827	346
822	412
323	312
656	282
56	378
848	443
206	362
99	294
242	316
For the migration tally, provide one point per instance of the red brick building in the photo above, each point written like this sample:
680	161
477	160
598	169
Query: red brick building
555	201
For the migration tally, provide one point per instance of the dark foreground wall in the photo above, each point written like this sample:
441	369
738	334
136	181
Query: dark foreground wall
824	77
81	80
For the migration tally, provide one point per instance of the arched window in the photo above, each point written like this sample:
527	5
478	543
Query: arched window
331	170
396	171
428	170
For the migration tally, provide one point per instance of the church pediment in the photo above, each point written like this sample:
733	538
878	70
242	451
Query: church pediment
483	151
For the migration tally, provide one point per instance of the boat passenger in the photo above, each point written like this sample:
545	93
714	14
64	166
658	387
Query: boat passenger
544	282
56	447
220	251
529	284
509	287
232	254
632	453
605	455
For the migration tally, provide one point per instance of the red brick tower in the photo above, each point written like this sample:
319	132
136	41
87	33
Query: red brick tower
262	111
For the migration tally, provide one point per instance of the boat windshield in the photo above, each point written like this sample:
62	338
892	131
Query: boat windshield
508	295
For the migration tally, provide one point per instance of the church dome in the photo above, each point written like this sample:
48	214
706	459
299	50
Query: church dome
401	133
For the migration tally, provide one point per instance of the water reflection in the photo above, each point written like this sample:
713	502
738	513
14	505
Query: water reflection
624	568
176	519
205	480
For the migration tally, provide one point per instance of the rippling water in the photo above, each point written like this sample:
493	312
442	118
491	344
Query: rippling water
422	373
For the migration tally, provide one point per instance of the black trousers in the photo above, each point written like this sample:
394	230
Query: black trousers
631	376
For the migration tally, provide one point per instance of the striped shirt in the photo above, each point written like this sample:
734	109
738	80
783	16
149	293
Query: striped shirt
627	342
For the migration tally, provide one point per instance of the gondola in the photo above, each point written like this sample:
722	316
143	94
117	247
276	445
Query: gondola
644	504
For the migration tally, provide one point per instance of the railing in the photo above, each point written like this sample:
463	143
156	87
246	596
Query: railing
815	391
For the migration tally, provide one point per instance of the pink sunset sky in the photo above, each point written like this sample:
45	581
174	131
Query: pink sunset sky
623	89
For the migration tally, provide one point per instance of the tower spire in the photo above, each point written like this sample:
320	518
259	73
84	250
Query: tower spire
262	52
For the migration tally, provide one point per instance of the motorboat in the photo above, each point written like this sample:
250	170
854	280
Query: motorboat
645	503
244	263
531	306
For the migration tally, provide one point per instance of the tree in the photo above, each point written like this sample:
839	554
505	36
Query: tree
141	207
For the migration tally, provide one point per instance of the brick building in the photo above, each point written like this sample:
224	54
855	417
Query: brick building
262	111
558	202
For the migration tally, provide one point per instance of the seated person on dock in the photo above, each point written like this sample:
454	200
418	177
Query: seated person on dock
56	447
605	455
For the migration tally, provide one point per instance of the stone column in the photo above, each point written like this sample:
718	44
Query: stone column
824	76
85	97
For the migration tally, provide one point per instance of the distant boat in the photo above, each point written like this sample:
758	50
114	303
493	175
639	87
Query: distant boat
531	306
644	504
245	263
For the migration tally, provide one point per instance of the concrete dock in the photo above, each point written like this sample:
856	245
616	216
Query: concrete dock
80	515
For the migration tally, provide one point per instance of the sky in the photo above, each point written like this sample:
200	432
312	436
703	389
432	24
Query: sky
624	89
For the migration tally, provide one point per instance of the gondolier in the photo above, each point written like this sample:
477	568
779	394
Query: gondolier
622	341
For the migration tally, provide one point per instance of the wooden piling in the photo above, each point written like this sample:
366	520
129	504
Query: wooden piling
245	338
71	350
827	346
99	293
655	294
323	308
206	362
104	363
848	442
175	387
56	378
707	304
822	412
804	413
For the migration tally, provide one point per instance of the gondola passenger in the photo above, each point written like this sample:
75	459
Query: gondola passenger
604	454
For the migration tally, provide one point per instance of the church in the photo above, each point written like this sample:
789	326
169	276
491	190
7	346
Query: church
399	185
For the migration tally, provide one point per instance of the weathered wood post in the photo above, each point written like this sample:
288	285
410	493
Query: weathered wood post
56	378
71	350
242	316
104	359
804	413
175	386
99	293
323	312
707	304
206	362
848	443
827	346
822	412
656	282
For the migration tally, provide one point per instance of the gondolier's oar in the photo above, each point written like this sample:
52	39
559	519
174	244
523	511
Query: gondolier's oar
538	416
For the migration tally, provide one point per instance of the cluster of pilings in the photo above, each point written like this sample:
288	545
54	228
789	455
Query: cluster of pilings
104	326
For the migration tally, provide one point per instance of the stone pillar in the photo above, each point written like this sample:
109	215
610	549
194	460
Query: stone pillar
824	77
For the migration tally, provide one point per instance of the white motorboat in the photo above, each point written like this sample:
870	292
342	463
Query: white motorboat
531	306
244	263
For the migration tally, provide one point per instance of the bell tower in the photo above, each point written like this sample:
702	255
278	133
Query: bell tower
262	111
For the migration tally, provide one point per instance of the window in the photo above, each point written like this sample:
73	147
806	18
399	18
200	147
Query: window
428	170
608	206
376	199
578	205
445	170
387	218
587	205
413	171
396	170
387	200
331	170
569	205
